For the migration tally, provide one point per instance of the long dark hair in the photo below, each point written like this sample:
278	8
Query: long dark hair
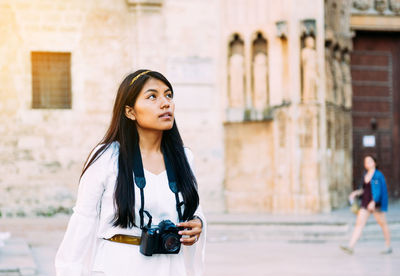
123	130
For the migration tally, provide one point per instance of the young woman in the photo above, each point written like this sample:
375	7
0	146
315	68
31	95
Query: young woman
104	233
374	200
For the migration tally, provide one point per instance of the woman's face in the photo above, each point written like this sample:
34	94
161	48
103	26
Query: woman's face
154	107
369	163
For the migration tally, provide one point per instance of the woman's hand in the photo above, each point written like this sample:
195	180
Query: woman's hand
355	193
352	196
371	206
193	229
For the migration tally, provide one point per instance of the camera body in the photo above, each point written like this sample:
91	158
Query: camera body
162	239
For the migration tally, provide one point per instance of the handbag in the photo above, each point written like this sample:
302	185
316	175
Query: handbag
355	205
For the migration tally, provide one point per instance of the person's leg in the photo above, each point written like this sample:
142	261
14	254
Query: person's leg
362	218
381	219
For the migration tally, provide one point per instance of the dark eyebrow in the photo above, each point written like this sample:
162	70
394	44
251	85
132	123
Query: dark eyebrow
155	90
151	90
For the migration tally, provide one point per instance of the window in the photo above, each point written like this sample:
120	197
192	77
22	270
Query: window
51	80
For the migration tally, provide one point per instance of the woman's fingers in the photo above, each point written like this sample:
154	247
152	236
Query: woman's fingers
190	224
190	232
189	240
192	227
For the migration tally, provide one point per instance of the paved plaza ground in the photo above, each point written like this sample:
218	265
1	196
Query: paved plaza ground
283	258
278	258
272	245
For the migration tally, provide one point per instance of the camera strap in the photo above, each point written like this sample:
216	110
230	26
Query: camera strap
173	186
140	182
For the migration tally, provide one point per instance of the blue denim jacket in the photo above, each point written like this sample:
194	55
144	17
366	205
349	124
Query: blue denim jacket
379	190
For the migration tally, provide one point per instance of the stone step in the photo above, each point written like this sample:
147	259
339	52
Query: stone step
16	259
295	231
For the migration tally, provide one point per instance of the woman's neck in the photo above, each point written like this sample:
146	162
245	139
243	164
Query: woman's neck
371	171
150	141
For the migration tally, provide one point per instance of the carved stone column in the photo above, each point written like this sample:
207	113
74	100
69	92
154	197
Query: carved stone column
147	19
338	76
347	88
329	83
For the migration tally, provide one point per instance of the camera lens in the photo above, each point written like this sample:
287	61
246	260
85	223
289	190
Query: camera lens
171	242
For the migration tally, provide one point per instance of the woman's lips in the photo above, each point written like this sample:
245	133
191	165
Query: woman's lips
167	115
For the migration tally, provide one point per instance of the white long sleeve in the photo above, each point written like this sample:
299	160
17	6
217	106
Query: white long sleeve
76	249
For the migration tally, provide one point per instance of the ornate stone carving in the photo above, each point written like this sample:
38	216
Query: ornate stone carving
309	68
394	6
329	85
309	27
281	29
338	77
362	5
381	5
346	73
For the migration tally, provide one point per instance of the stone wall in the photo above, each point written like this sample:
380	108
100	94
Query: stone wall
43	150
249	180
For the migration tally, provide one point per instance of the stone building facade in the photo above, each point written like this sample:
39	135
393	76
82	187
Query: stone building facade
262	89
295	152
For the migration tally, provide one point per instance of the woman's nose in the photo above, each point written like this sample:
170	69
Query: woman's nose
165	102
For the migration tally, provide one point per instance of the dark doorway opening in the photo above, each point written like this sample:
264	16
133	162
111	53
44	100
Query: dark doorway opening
375	70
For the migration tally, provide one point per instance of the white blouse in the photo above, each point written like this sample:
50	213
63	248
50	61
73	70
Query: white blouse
84	251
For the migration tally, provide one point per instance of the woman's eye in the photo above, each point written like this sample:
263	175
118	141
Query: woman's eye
151	97
170	96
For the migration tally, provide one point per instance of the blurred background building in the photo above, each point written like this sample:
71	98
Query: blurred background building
279	100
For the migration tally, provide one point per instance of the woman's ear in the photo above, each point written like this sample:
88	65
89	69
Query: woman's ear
130	113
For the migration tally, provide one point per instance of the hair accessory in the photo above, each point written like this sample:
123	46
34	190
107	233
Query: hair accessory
141	74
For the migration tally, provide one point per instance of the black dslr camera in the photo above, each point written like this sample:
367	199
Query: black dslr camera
162	239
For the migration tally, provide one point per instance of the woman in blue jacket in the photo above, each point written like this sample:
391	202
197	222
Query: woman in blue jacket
374	199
